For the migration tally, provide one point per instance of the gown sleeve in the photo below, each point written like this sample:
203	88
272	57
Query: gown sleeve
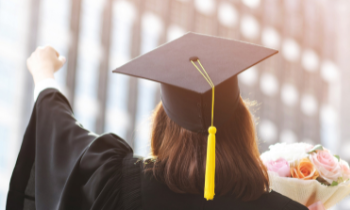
61	165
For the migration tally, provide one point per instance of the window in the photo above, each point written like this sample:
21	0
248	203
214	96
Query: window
151	29
117	116
86	105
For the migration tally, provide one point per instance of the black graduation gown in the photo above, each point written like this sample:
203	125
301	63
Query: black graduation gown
63	166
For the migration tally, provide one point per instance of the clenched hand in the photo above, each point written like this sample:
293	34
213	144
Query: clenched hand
44	62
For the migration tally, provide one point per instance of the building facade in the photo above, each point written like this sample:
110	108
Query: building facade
297	95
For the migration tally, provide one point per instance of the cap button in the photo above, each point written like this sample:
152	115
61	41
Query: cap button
194	58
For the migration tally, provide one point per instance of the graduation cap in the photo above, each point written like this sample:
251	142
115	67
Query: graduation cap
199	86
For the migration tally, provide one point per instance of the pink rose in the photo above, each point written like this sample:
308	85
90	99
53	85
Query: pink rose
345	170
308	147
280	166
327	165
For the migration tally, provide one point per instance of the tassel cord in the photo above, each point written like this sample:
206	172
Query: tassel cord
209	188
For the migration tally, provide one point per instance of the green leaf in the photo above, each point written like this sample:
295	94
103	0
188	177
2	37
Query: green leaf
334	183
337	156
315	149
340	180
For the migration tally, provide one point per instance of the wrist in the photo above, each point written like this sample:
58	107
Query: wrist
42	76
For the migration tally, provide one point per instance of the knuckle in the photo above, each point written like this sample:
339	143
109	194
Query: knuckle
38	49
49	47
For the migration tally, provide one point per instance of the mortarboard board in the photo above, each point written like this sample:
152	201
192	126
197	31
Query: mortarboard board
185	93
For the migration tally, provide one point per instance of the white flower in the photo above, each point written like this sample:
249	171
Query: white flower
290	152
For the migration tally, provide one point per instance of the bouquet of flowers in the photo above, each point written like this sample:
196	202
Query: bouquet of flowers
307	174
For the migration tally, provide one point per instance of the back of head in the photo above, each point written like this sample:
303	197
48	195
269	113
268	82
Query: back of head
181	156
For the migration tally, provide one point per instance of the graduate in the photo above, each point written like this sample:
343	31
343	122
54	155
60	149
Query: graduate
203	142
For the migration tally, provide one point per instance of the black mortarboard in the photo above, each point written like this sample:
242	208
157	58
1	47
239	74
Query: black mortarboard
187	91
185	95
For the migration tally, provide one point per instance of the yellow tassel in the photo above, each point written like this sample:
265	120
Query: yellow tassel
210	167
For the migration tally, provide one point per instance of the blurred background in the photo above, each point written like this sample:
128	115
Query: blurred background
302	93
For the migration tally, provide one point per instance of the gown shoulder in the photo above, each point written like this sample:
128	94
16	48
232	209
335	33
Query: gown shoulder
104	172
284	202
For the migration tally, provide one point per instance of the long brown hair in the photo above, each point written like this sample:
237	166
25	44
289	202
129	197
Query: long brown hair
181	155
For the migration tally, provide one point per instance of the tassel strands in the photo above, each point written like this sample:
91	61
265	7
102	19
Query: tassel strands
209	187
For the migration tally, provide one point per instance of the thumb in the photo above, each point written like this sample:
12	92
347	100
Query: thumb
61	62
62	59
